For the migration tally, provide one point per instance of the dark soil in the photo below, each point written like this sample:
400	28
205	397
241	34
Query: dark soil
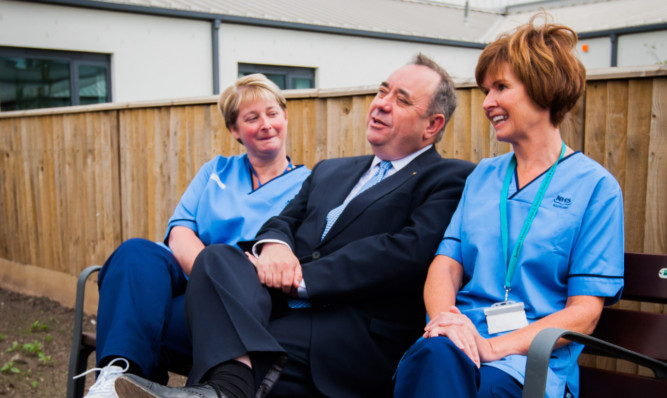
35	341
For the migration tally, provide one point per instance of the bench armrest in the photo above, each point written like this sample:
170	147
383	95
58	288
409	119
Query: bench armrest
78	352
540	350
80	296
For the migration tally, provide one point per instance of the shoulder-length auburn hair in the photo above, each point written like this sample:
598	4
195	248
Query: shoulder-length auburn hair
542	58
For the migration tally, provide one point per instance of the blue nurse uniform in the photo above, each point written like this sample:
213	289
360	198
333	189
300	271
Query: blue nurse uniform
574	247
141	308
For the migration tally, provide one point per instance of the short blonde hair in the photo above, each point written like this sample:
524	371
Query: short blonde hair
251	88
542	58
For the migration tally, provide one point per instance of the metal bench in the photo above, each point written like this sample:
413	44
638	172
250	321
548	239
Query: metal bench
84	343
639	337
631	335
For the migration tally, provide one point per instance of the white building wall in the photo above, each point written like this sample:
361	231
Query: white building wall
598	54
642	49
635	49
151	57
340	61
160	57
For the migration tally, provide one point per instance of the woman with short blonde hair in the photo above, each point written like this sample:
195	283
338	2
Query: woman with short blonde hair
141	314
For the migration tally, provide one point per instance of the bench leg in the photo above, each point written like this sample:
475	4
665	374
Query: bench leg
78	364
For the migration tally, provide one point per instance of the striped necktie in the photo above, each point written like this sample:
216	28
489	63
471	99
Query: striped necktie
379	175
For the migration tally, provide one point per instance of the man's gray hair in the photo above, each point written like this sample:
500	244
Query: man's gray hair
444	98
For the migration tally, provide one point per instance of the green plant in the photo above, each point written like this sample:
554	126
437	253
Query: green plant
37	326
44	359
32	348
652	49
34	384
48	338
14	346
2	337
10	367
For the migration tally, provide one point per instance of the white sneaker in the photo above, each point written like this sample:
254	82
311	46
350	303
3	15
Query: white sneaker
103	387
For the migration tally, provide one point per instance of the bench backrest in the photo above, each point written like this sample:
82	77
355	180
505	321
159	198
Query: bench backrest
644	332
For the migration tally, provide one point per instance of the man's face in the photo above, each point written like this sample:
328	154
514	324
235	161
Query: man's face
398	120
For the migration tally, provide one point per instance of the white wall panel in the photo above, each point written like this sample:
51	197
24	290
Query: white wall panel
151	57
341	61
160	57
598	54
642	49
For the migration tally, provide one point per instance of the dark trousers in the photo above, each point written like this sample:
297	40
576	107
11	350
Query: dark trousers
141	311
230	314
436	367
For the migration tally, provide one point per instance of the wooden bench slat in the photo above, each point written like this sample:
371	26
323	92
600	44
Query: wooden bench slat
609	384
621	327
89	339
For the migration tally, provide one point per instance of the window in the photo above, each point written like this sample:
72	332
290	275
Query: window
31	78
286	77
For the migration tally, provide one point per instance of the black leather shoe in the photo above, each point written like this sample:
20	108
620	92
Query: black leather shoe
133	386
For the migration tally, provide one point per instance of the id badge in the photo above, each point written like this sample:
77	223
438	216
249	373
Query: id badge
505	316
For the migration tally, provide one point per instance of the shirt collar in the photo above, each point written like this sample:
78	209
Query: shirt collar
400	163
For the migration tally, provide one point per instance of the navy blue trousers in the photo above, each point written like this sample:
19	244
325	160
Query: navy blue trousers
141	312
231	314
435	367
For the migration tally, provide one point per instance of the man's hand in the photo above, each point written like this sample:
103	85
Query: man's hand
278	268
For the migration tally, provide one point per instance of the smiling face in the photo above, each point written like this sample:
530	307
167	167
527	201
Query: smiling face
513	114
398	123
261	126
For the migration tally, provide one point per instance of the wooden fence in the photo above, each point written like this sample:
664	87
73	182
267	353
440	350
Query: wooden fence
75	182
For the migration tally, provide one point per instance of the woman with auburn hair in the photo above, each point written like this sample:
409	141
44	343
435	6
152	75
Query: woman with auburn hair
536	240
141	324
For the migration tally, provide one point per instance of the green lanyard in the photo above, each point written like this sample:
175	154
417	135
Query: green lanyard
511	264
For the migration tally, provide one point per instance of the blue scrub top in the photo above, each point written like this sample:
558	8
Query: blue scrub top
574	247
220	205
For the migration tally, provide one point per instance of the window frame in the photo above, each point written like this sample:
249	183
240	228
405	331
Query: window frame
74	58
290	72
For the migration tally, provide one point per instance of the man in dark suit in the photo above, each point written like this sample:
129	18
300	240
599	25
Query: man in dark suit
330	297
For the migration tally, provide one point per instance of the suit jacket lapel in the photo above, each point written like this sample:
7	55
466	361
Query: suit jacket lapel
345	180
386	186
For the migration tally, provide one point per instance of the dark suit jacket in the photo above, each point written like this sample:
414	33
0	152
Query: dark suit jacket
365	279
